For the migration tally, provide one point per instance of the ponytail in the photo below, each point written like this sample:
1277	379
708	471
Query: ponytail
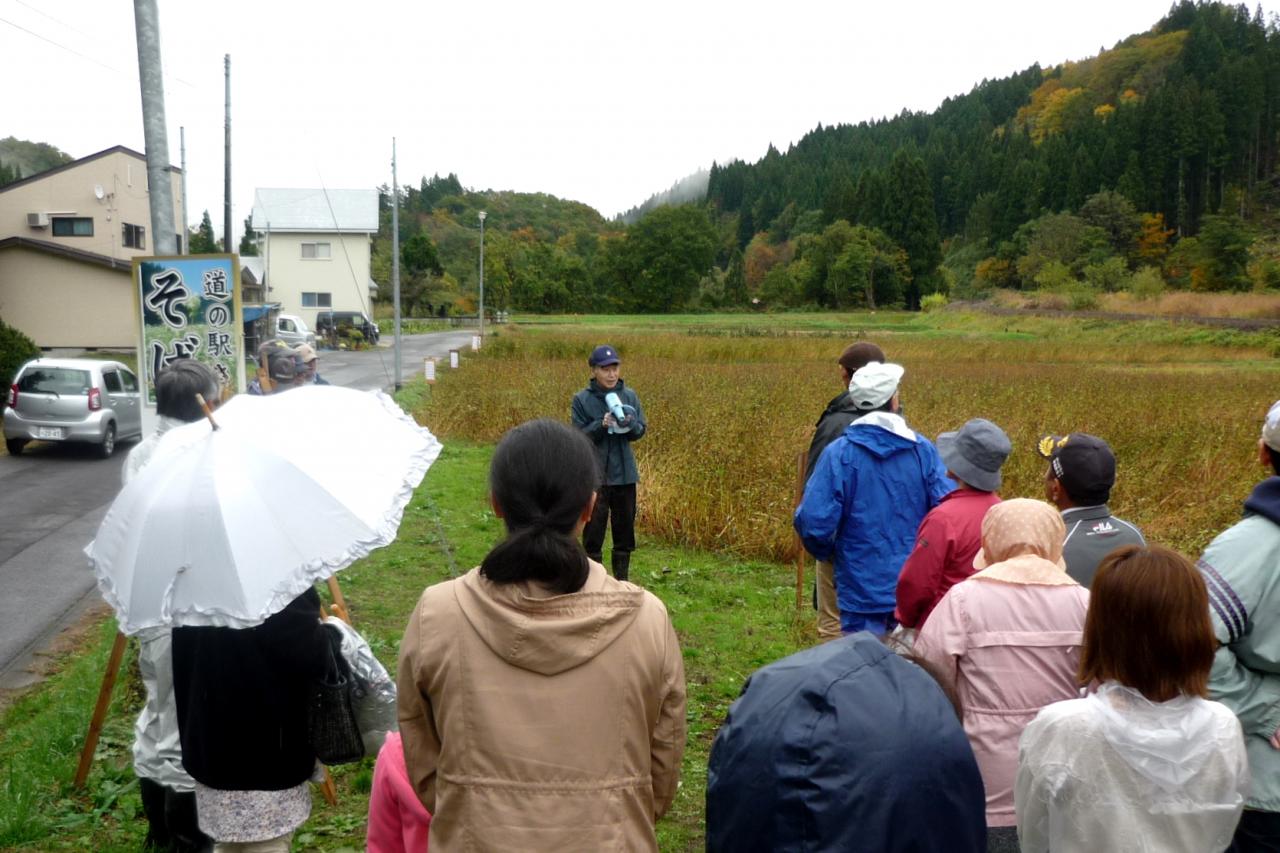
542	476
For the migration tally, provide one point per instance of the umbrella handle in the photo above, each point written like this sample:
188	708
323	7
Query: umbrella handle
208	412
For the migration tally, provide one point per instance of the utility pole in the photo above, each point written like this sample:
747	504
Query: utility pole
482	215
184	249
226	180
395	255
146	21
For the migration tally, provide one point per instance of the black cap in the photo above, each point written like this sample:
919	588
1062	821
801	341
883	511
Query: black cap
603	355
1083	464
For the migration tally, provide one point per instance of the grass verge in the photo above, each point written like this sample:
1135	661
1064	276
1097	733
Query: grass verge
731	616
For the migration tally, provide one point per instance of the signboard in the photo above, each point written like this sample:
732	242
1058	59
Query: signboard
190	308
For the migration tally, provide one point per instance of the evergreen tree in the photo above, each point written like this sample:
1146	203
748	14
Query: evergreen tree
202	240
248	242
911	222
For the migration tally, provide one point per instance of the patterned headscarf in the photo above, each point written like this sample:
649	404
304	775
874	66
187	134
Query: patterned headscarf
1022	543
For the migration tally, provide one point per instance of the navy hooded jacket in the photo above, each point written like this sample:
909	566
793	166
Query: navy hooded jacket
844	746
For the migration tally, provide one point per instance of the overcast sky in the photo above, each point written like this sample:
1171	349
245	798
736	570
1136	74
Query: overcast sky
602	102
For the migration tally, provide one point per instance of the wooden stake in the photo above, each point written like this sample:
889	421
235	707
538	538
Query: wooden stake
339	603
100	710
801	557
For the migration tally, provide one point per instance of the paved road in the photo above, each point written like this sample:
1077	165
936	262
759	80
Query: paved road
53	497
373	368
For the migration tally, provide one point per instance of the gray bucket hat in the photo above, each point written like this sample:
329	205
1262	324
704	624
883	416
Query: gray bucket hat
975	453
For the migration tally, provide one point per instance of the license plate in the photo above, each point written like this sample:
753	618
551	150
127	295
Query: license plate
49	433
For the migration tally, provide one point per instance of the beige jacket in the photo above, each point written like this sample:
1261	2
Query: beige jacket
536	722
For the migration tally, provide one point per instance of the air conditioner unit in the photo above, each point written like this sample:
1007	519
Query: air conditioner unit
38	220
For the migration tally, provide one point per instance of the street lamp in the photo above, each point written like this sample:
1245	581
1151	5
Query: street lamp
482	215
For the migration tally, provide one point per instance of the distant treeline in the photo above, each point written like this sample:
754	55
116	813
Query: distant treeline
1180	122
1148	166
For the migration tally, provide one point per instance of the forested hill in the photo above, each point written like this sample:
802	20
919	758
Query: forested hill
537	246
1179	123
690	188
21	159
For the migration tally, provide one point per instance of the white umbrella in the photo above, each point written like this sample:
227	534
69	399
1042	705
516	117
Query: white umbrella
225	527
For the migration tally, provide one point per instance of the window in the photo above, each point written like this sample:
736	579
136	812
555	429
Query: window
54	380
130	381
315	251
72	226
112	381
135	236
287	326
317	300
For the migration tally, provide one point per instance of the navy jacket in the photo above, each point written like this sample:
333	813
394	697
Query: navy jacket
613	450
844	746
838	414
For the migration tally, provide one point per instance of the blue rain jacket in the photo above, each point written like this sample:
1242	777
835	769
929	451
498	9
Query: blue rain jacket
844	746
862	506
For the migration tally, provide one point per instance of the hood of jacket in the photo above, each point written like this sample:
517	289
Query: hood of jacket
780	775
535	630
1167	743
1265	500
882	434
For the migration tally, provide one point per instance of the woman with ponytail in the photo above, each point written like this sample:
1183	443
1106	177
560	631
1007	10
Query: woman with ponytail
542	702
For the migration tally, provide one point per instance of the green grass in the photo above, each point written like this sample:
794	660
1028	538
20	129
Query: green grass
731	616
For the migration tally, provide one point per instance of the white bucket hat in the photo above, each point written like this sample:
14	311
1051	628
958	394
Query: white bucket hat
1271	427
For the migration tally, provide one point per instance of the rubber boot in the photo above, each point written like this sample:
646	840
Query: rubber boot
621	565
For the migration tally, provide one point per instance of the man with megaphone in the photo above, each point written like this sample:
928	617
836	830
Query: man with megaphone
609	414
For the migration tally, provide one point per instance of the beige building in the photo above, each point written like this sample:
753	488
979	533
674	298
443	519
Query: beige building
67	238
316	247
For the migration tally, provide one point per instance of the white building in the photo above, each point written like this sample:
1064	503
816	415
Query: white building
317	248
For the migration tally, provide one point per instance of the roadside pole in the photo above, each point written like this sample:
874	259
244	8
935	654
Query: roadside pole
395	258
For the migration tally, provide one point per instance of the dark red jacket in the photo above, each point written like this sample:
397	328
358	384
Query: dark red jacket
946	543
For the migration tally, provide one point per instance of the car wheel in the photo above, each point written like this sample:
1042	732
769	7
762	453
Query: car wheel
14	445
108	445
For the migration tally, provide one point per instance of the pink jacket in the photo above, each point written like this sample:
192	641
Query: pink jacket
397	821
1009	649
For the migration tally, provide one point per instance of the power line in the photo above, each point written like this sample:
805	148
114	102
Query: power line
75	52
60	46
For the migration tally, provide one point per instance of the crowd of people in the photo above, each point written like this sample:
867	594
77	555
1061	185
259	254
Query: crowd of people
997	675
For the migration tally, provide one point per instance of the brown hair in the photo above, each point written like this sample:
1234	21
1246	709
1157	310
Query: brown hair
860	355
1148	624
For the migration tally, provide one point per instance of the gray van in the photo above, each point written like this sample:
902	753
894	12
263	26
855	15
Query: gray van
72	399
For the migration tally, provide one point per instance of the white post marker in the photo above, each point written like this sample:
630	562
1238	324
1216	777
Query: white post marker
453	359
429	368
475	342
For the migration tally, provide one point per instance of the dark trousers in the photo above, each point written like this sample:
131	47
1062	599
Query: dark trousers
619	504
1258	832
172	818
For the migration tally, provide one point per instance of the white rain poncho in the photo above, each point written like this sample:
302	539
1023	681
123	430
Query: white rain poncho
1114	771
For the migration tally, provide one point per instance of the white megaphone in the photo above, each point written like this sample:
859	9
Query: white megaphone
621	412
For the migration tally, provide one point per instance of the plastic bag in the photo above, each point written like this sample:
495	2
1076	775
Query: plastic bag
376	708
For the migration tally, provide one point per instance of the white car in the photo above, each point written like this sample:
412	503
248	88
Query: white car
293	330
72	399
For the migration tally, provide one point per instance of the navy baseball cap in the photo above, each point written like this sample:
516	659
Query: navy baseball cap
603	355
1082	463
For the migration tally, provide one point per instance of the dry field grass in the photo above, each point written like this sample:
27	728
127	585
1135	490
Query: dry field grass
730	406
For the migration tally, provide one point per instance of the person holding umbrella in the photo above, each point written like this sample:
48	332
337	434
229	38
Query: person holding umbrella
217	539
